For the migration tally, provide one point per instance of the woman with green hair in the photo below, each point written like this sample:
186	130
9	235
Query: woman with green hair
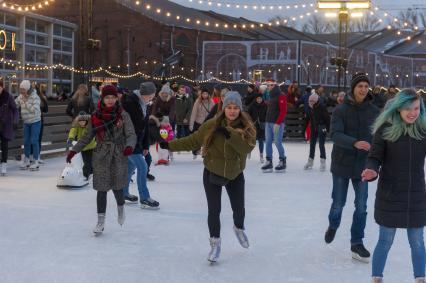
398	157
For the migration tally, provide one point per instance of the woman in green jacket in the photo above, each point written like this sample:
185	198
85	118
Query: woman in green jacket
226	140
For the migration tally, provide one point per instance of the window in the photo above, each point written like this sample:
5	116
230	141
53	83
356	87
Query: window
41	56
34	55
57	44
42	40
30	38
182	40
30	24
59	74
11	20
57	30
30	55
66	32
41	26
62	59
66	46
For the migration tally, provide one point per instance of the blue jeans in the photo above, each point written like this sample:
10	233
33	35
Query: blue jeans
137	161
261	145
340	192
31	134
418	253
277	139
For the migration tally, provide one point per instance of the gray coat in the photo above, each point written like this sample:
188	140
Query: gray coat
109	163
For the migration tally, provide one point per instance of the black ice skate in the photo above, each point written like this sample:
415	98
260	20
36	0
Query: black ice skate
281	166
359	252
268	167
131	198
150	204
329	235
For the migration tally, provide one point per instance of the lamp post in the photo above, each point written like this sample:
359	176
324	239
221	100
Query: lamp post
344	10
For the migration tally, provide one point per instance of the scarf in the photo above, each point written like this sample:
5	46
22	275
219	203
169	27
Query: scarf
105	118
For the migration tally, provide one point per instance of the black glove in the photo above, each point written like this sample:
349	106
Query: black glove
164	145
324	131
224	131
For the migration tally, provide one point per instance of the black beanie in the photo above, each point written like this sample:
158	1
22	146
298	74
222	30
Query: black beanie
357	78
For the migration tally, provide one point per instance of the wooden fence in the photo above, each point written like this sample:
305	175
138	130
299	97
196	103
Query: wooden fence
57	124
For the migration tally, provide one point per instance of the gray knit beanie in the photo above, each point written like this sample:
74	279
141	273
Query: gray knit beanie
232	97
147	88
166	89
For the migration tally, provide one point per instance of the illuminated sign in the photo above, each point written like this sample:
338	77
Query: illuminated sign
4	38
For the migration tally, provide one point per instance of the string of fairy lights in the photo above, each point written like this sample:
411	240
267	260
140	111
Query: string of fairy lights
27	7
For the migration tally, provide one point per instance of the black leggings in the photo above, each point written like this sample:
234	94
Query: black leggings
87	162
4	149
101	200
235	190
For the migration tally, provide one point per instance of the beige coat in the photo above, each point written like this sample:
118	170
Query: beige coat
200	111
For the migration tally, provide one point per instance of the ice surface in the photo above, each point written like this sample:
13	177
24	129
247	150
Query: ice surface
46	233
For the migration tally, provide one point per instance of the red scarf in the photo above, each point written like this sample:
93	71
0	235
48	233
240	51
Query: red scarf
105	118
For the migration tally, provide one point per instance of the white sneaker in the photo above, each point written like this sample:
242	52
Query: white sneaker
35	166
25	164
3	169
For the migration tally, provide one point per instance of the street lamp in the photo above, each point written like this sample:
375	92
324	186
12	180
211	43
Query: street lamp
343	9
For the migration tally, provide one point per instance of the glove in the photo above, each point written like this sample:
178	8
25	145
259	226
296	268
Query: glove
324	131
70	155
224	131
164	145
128	151
276	129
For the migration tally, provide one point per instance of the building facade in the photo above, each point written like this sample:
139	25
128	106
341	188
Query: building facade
35	41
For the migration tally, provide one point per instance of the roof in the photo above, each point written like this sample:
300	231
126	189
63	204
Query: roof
382	40
410	48
333	38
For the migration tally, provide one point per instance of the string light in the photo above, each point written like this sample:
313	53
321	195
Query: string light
244	6
27	7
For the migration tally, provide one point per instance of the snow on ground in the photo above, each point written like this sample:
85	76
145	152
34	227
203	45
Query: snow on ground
45	232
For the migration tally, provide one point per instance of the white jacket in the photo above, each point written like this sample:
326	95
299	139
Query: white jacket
30	109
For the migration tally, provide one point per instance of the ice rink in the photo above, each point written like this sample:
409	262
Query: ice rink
46	232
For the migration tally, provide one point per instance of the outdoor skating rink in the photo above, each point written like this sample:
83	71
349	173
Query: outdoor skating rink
46	232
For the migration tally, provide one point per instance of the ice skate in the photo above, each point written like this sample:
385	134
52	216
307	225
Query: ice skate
121	215
359	252
377	280
241	237
262	160
41	161
323	165
150	204
101	224
3	169
215	250
131	198
329	235
309	164
25	164
282	165
420	280
268	167
35	166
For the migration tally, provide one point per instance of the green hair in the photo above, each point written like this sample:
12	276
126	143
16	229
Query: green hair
391	114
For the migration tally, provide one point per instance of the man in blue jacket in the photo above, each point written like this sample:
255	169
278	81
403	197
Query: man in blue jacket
351	133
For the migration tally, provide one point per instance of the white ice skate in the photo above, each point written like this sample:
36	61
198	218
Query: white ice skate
215	250
3	169
121	215
25	164
323	165
100	225
309	165
34	166
241	237
377	280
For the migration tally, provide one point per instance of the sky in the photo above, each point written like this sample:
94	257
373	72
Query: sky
393	6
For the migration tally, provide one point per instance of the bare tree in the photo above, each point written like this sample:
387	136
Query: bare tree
317	25
366	23
286	21
410	18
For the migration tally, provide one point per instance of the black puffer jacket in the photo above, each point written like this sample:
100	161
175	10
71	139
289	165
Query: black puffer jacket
257	112
401	193
351	122
132	106
319	116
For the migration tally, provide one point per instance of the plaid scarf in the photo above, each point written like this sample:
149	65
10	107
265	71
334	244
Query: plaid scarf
105	118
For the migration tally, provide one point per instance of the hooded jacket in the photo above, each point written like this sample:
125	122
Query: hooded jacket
30	108
351	122
277	107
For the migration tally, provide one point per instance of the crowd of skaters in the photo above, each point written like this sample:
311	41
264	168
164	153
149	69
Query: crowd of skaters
114	128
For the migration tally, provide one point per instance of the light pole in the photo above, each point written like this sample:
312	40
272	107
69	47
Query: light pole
344	10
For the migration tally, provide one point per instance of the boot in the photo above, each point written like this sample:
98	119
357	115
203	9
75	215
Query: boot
359	252
268	167
329	235
262	160
241	237
420	280
377	280
215	250
121	215
101	224
3	169
34	166
282	165
323	165
309	164
25	164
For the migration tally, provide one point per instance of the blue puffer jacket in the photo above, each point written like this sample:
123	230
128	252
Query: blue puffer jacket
351	122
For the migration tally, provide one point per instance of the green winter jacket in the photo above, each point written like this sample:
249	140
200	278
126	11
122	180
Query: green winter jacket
78	132
225	157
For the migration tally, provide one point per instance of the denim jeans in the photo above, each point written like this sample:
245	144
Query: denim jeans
315	135
31	134
418	253
182	131
277	139
261	144
340	192
137	161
